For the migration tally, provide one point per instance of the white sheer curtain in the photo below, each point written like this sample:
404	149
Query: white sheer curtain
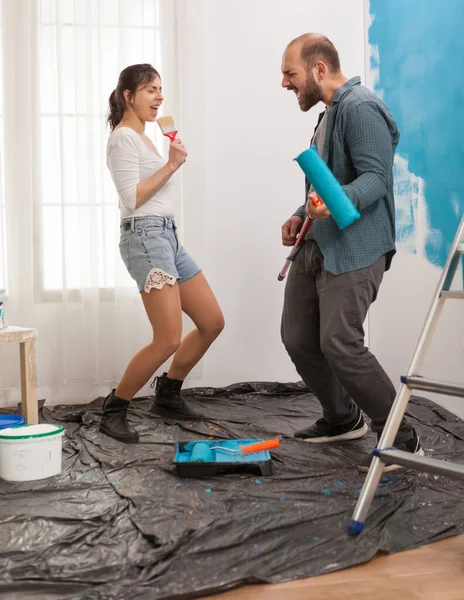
64	275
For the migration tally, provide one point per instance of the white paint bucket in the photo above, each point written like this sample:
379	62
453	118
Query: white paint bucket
30	452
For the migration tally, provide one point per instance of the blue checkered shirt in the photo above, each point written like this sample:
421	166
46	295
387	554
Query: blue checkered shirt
359	147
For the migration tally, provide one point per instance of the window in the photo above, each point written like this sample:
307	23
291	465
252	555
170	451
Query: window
82	47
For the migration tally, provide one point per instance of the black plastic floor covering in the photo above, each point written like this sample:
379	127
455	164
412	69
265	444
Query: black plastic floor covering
119	524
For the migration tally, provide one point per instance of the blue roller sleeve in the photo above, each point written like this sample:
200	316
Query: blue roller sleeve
201	453
327	187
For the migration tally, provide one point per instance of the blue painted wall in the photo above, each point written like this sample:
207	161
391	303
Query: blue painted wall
420	64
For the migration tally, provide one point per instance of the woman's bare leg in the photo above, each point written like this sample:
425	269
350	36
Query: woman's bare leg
163	308
199	303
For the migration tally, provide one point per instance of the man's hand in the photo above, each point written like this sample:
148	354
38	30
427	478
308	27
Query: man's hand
318	212
290	230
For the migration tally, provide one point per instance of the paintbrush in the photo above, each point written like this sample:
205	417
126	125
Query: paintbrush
168	127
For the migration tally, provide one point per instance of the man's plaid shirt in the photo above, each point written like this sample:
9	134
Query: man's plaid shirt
359	147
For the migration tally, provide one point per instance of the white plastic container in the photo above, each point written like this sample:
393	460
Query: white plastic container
30	452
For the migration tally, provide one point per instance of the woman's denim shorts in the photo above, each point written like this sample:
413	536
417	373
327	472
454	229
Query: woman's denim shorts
152	253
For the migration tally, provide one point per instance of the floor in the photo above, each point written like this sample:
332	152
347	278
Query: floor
433	572
120	520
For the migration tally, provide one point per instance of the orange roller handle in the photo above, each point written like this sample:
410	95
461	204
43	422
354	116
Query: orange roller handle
317	200
267	445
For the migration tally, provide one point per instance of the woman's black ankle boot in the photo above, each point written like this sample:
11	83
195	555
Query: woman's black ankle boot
169	402
114	421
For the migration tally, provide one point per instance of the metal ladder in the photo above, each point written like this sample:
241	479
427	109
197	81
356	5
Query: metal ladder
385	453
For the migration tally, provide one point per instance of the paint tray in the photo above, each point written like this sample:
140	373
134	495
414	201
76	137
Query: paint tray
196	459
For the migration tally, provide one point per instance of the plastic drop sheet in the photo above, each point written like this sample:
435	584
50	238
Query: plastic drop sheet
118	523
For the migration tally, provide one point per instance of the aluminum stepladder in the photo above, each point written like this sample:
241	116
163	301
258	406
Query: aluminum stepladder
385	454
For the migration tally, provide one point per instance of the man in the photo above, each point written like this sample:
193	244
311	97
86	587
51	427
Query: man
337	273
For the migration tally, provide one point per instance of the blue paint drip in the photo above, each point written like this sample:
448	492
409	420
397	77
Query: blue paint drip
326	492
415	41
258	481
208	490
340	484
255	546
316	539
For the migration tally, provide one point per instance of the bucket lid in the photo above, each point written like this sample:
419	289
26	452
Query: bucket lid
11	421
23	432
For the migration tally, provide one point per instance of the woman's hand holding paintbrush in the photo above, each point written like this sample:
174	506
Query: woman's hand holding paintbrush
177	154
177	151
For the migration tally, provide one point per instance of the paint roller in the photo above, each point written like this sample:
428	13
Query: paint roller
330	191
342	209
250	448
202	451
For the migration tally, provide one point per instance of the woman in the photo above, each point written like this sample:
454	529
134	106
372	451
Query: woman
169	281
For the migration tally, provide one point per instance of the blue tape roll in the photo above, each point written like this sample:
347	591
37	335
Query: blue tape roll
327	187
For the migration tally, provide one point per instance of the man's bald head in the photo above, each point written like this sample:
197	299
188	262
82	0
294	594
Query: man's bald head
311	69
314	47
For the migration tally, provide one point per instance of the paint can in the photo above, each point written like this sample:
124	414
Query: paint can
30	452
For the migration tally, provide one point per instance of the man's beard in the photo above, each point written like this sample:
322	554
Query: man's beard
311	94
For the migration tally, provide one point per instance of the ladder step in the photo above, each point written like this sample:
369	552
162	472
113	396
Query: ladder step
391	456
460	248
453	294
415	382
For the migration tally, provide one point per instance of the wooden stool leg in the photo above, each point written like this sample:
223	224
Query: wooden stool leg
29	404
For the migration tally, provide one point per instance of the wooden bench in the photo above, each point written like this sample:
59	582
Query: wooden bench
25	337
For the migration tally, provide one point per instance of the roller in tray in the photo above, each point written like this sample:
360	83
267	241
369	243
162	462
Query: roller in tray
205	458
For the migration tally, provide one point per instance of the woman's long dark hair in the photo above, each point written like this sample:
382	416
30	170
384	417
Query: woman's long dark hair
129	79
